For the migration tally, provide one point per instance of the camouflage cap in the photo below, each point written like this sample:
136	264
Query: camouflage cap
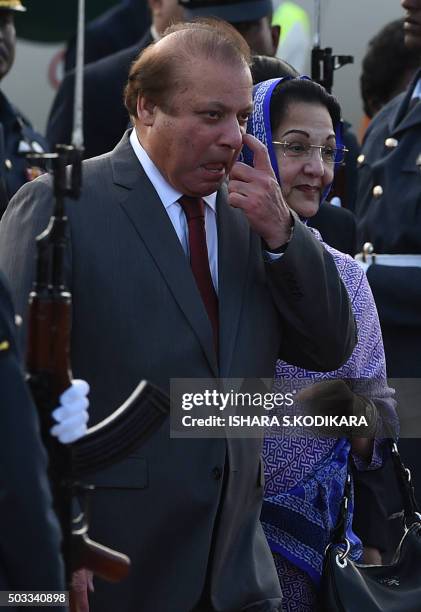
11	5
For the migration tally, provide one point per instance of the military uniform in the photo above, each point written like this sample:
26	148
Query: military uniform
389	216
30	539
17	138
116	29
16	134
107	78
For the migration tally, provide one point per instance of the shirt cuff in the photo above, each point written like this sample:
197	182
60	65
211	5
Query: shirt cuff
273	255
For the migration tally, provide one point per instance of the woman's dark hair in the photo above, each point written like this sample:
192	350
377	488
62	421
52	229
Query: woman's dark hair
301	90
264	68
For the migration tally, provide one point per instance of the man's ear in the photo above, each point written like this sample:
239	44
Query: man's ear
276	35
146	111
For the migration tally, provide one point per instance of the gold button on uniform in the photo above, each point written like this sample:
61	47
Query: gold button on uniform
377	191
8	164
360	158
391	143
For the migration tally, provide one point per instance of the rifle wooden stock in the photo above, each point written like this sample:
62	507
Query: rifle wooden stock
48	343
109	564
102	561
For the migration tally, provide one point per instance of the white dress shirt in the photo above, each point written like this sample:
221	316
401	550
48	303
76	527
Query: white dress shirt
169	198
417	90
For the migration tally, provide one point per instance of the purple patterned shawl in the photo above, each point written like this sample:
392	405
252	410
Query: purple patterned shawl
305	476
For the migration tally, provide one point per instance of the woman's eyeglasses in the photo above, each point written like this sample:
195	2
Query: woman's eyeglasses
329	155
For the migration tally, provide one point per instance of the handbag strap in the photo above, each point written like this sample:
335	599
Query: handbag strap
403	475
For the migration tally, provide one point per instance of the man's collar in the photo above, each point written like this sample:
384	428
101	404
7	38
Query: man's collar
416	93
166	192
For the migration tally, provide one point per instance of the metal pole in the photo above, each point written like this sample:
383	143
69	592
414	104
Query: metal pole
318	22
77	135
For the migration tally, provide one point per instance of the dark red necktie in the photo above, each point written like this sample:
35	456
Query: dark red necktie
194	209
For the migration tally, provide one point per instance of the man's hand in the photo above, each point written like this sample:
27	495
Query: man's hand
256	191
334	398
82	581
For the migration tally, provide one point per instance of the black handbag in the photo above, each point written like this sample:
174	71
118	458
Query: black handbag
348	586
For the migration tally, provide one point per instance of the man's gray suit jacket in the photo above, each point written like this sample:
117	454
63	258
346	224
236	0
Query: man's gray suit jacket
185	510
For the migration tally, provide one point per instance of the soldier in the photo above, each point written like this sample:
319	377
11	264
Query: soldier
104	81
388	211
17	136
389	199
30	542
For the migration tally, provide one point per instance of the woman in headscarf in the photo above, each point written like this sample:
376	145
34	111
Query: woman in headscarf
299	122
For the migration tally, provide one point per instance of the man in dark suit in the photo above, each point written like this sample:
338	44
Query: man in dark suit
388	212
186	511
119	27
104	82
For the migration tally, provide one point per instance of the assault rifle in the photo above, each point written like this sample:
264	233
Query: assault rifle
49	370
323	62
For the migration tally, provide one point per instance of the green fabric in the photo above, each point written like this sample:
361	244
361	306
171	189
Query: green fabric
55	20
288	14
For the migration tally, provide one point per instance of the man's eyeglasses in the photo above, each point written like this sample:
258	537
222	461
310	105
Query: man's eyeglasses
329	155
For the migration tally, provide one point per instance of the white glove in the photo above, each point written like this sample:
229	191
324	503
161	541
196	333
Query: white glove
72	414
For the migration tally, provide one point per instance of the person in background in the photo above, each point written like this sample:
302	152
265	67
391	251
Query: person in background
173	275
119	27
253	19
388	215
305	477
106	79
30	540
17	137
295	42
387	69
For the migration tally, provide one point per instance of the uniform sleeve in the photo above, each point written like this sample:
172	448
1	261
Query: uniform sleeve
397	291
30	540
26	217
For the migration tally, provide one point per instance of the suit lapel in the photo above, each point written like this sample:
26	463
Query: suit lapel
146	212
233	255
